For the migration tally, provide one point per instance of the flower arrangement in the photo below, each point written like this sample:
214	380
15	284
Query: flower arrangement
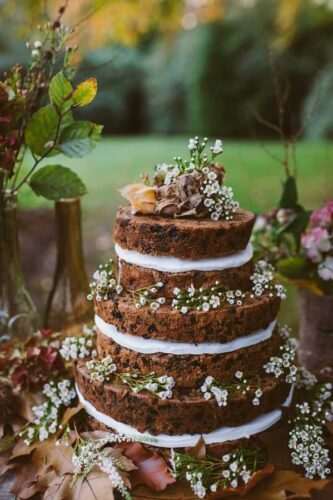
186	188
45	130
298	242
80	346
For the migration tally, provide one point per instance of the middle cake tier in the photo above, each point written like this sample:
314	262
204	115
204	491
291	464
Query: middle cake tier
191	370
223	324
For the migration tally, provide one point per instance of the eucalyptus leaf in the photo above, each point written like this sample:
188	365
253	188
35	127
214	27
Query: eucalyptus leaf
60	92
85	92
79	138
55	182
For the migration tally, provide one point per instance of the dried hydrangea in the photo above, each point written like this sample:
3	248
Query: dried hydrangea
221	391
95	453
307	435
104	285
217	198
80	346
46	415
263	281
161	386
100	370
284	365
148	296
209	474
205	299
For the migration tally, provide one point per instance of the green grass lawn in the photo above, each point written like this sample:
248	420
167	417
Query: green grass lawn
251	170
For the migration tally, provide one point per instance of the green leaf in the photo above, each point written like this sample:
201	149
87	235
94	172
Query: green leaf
55	182
85	92
60	92
289	198
79	139
293	267
41	130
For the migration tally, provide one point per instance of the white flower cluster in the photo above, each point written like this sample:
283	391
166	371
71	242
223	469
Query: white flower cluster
167	172
283	365
90	454
80	346
211	388
160	386
218	198
263	281
237	471
148	296
46	416
209	474
104	284
305	379
205	299
100	370
307	439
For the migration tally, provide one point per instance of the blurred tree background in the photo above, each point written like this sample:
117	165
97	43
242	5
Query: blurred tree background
194	66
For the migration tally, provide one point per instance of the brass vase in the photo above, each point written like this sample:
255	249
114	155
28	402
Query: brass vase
18	314
67	306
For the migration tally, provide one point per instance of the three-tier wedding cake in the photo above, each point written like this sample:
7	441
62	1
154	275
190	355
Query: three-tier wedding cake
188	346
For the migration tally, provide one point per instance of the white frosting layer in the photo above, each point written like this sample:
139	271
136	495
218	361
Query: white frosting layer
175	265
221	435
152	346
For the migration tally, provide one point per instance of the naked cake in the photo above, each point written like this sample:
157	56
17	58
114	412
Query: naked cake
188	345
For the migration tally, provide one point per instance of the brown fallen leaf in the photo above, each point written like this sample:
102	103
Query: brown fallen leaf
60	488
96	486
57	457
152	468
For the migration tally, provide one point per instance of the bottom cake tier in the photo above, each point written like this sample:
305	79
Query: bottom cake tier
181	420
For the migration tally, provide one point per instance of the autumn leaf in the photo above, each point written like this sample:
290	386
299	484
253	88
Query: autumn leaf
152	468
85	92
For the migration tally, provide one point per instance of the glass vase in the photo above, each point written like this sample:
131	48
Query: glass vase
18	314
316	331
67	306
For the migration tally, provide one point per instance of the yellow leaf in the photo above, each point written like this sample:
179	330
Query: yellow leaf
85	92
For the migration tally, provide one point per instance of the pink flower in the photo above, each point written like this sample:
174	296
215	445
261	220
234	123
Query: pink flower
315	242
323	216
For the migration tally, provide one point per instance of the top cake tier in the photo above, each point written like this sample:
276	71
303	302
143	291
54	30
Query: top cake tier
182	238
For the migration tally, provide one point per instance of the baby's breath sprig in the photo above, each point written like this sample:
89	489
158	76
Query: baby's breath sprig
104	285
80	346
221	390
209	474
307	434
283	365
90	453
263	281
205	299
161	386
47	415
218	198
148	296
101	370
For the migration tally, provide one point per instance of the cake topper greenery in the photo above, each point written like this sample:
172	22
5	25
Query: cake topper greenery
191	187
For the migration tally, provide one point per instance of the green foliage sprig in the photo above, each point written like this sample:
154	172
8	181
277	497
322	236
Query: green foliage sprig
45	130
